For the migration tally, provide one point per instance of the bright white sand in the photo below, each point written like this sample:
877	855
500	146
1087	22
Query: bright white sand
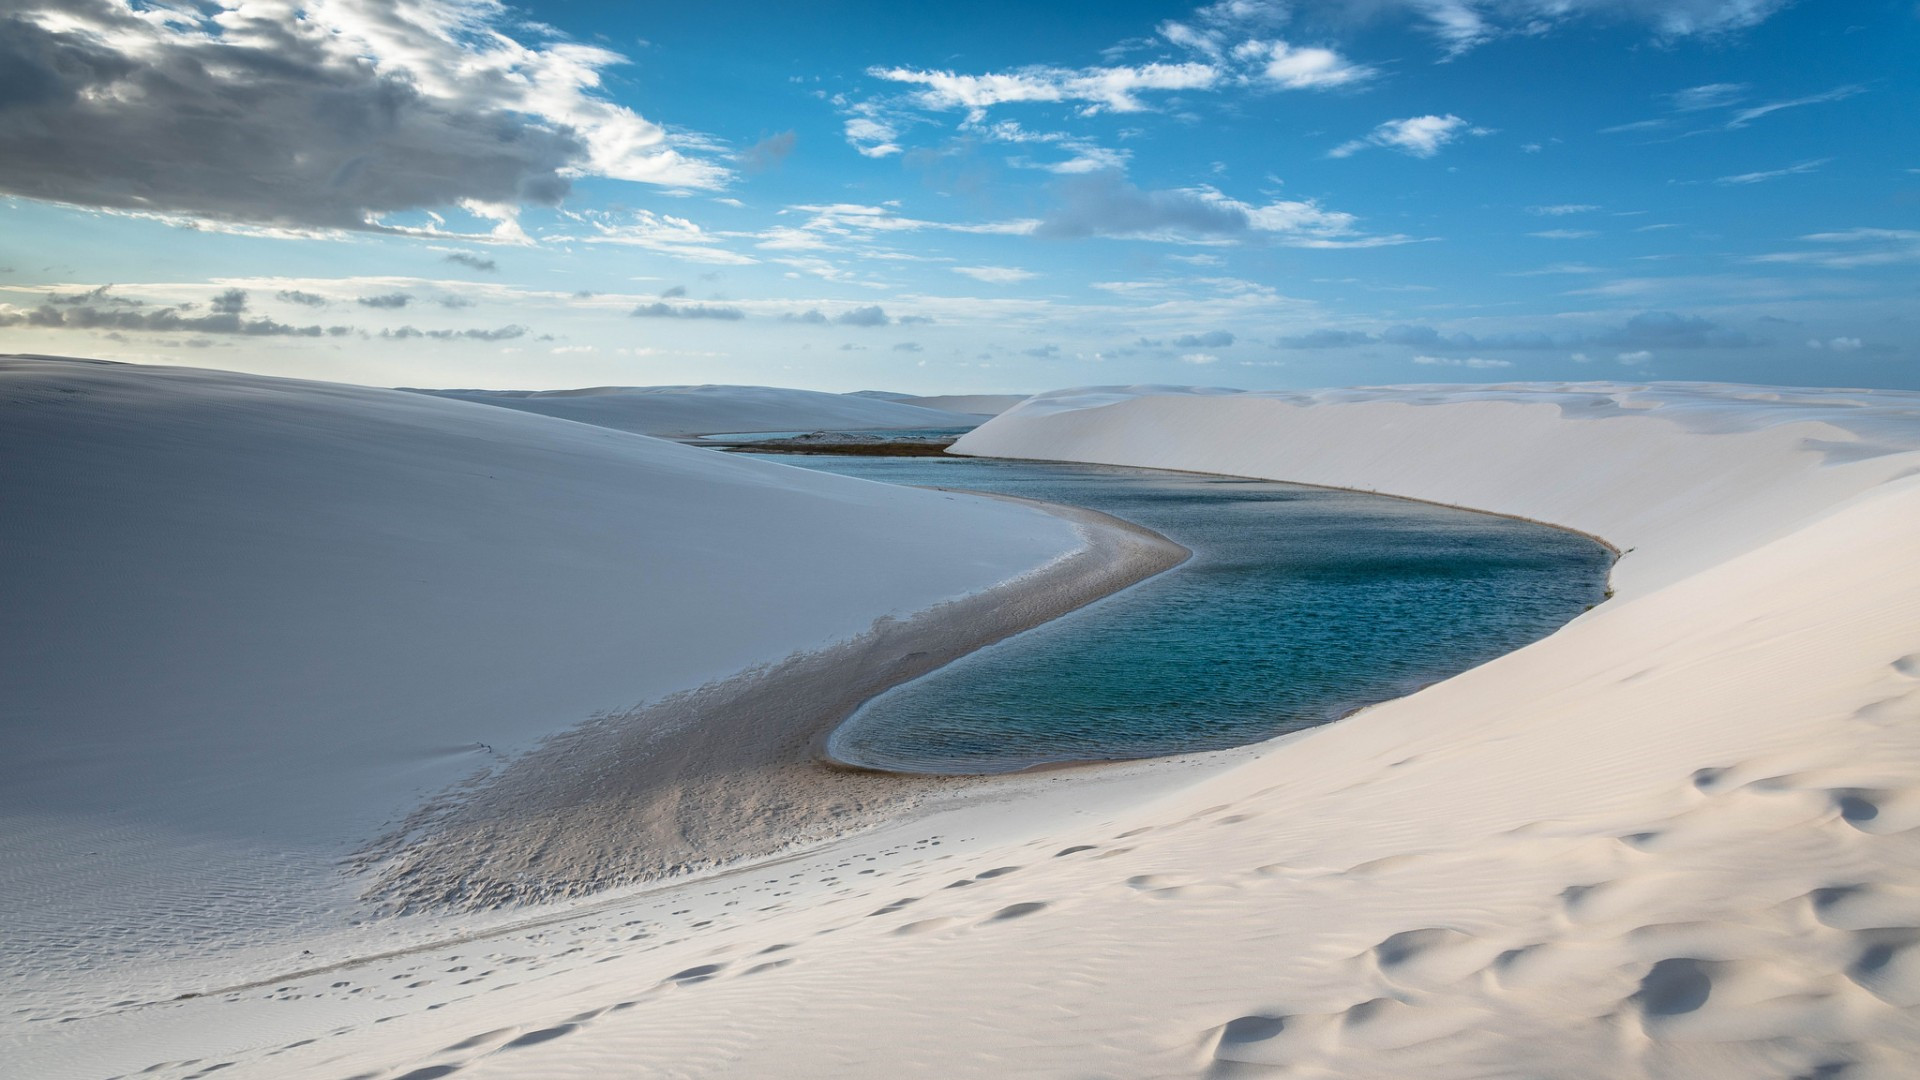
251	622
1675	839
707	410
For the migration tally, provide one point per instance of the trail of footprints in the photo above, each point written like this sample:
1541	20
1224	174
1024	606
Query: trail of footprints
1792	975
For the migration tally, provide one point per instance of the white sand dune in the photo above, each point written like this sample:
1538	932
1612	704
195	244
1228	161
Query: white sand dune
250	621
706	410
975	404
1676	839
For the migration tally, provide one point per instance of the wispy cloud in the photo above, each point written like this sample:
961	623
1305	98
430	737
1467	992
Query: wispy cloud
1747	116
1773	174
1852	249
662	233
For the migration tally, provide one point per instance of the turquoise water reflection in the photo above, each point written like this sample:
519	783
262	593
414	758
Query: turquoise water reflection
1300	604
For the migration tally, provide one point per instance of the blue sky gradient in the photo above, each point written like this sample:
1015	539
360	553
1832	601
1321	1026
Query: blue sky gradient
995	197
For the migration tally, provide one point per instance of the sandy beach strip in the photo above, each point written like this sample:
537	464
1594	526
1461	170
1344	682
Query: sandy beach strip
733	771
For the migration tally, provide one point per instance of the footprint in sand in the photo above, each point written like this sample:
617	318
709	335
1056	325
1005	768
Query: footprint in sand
694	975
1866	906
1433	956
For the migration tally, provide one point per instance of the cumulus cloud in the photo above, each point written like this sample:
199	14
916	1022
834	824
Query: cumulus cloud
660	310
1212	339
811	316
307	115
159	320
392	300
870	315
1198	358
304	299
1420	136
907	346
230	302
1667	330
1295	67
502	333
473	262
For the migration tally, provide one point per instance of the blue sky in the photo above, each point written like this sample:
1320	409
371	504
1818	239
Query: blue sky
985	197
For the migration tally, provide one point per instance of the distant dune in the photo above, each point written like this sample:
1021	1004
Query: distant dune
707	410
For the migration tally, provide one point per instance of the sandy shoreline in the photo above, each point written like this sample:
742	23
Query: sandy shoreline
733	771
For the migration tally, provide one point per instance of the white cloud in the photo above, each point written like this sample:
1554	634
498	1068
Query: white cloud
1839	344
1853	248
1747	116
1562	209
332	114
1296	67
1106	204
1461	361
1086	155
871	137
1710	96
1463	24
1774	174
1564	234
662	233
1110	88
1199	358
995	275
1639	356
1420	136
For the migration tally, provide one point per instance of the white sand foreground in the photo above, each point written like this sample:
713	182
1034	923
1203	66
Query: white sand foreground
1676	839
250	622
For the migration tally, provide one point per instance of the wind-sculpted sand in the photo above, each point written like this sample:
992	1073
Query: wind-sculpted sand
731	771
